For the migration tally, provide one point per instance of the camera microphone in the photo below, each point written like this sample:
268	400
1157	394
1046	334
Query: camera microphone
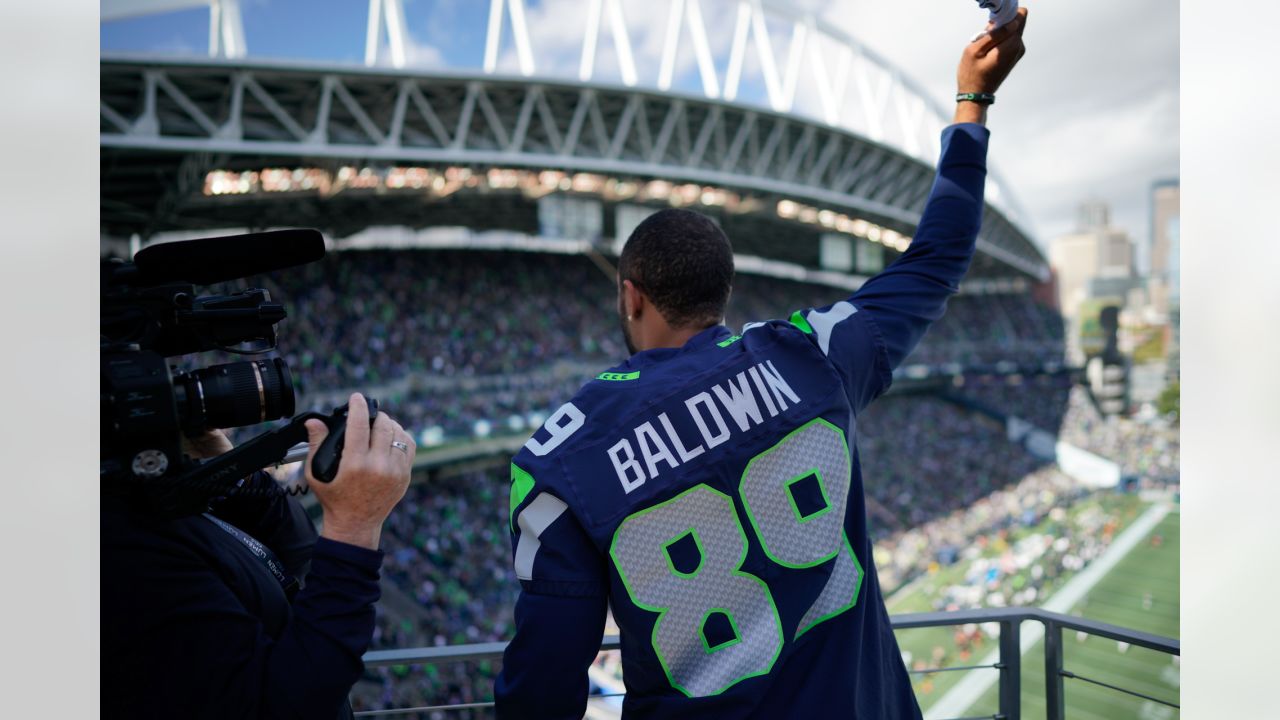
219	259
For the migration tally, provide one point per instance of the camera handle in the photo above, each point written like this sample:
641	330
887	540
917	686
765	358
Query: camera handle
271	447
266	449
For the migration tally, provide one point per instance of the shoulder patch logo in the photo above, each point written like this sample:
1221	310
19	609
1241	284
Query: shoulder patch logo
619	377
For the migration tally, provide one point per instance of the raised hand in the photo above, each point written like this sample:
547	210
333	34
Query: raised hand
986	63
372	477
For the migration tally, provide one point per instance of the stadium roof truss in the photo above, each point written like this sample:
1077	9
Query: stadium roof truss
203	109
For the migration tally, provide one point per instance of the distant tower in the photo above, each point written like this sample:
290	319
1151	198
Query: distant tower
1165	211
1094	262
1093	215
1166	276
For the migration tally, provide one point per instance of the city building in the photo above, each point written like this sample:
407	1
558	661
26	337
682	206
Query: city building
1095	262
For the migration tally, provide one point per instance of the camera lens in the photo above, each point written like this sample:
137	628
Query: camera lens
235	394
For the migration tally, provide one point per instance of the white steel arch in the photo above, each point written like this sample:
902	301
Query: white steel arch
226	27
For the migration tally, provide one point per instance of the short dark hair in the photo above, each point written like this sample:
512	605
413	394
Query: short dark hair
683	262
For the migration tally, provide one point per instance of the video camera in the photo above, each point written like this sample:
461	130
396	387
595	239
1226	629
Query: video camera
150	312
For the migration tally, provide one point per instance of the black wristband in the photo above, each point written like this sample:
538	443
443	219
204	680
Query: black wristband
980	98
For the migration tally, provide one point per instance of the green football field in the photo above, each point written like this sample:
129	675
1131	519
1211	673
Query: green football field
1141	593
923	644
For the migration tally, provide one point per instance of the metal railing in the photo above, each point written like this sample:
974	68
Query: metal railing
1009	664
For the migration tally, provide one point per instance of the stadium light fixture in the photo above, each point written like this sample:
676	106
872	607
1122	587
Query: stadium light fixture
442	182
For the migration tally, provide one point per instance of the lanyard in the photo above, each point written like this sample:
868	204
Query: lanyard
262	553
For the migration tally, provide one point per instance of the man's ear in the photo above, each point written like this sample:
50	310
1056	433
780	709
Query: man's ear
633	301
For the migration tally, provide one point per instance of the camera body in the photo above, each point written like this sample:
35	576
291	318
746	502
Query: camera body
150	312
145	404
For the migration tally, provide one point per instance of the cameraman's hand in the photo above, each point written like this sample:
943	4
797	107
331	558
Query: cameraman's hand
208	444
372	475
986	63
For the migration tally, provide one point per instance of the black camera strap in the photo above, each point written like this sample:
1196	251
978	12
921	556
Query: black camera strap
263	553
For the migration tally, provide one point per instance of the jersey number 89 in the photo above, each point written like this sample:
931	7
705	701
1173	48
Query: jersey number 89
791	536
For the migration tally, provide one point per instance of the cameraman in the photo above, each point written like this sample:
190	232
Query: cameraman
199	620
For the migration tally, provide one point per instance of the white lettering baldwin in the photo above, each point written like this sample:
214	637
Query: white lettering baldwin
735	405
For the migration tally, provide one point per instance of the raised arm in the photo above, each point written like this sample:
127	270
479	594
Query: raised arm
912	293
868	335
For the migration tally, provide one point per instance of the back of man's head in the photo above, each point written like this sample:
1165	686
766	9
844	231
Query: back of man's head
683	262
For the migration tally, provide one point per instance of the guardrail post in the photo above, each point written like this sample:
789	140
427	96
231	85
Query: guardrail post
1054	698
1010	670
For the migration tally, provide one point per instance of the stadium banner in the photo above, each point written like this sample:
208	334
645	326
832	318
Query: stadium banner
835	252
1088	468
567	216
1084	466
870	258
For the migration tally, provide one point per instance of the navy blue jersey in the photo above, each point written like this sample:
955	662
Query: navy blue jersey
711	494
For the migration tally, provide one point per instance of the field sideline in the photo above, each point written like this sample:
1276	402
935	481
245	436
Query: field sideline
1140	593
1150	604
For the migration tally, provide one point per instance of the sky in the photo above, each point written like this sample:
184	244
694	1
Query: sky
1091	112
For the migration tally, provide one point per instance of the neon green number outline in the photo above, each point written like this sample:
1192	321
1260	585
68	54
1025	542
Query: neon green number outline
857	588
791	498
702	631
662	612
752	517
697	541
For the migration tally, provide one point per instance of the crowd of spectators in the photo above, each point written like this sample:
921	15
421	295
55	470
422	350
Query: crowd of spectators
1038	399
517	332
1147	449
448	562
994	329
923	458
1002	567
370	317
909	552
465	344
502	405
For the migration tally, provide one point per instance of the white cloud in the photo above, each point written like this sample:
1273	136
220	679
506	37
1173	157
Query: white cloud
1091	111
177	45
421	54
1111	155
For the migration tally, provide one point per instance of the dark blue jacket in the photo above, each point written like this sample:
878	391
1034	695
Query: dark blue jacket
194	626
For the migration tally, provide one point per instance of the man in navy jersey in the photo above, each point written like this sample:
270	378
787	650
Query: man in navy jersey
709	490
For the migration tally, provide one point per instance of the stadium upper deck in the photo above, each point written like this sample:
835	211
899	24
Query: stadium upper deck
835	145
